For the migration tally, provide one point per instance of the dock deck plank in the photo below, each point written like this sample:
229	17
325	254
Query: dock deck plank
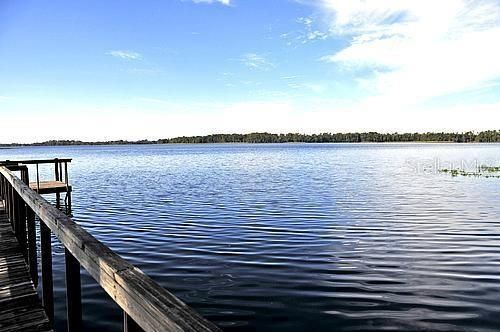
20	308
50	187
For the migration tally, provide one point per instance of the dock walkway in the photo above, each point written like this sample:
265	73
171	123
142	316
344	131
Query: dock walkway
20	307
146	305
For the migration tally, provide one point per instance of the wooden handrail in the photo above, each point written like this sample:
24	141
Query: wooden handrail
36	161
151	306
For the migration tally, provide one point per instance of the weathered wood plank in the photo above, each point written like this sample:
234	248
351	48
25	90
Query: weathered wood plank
20	308
50	187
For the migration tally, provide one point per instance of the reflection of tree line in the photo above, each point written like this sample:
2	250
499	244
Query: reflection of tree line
467	137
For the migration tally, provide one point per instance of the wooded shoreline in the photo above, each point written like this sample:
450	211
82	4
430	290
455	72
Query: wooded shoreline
490	136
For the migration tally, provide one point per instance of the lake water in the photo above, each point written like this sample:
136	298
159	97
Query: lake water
294	237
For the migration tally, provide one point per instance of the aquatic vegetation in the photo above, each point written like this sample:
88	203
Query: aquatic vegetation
490	169
482	171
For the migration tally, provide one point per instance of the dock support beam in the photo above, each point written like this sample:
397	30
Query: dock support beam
73	293
47	284
31	233
56	173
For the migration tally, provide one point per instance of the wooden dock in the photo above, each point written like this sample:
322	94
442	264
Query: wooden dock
20	308
146	305
59	185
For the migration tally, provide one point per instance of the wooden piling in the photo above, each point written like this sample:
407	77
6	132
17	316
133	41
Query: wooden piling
73	293
47	283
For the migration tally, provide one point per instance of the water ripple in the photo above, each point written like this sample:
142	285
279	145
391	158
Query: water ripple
294	237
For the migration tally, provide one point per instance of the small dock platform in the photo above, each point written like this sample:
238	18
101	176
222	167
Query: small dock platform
58	185
20	307
50	187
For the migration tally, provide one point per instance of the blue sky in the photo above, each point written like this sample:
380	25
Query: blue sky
152	69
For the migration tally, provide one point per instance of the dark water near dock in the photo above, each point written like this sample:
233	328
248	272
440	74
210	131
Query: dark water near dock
295	237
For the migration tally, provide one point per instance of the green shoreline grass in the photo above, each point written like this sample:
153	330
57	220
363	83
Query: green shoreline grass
482	171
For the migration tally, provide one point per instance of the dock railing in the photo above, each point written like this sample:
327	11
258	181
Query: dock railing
60	175
146	305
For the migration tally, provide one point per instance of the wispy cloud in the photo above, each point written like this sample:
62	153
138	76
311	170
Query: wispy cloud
311	33
308	31
126	55
224	2
256	61
417	50
3	98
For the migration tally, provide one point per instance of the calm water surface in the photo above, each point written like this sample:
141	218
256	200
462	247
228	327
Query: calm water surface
295	237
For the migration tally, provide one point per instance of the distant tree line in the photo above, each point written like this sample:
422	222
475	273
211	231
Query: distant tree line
467	137
489	136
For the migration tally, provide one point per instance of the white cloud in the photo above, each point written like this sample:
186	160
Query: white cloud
123	54
224	2
256	61
4	98
417	50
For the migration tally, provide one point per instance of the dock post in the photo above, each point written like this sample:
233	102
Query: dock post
56	173
67	200
68	207
20	222
73	293
11	207
32	254
15	212
31	233
47	284
22	228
